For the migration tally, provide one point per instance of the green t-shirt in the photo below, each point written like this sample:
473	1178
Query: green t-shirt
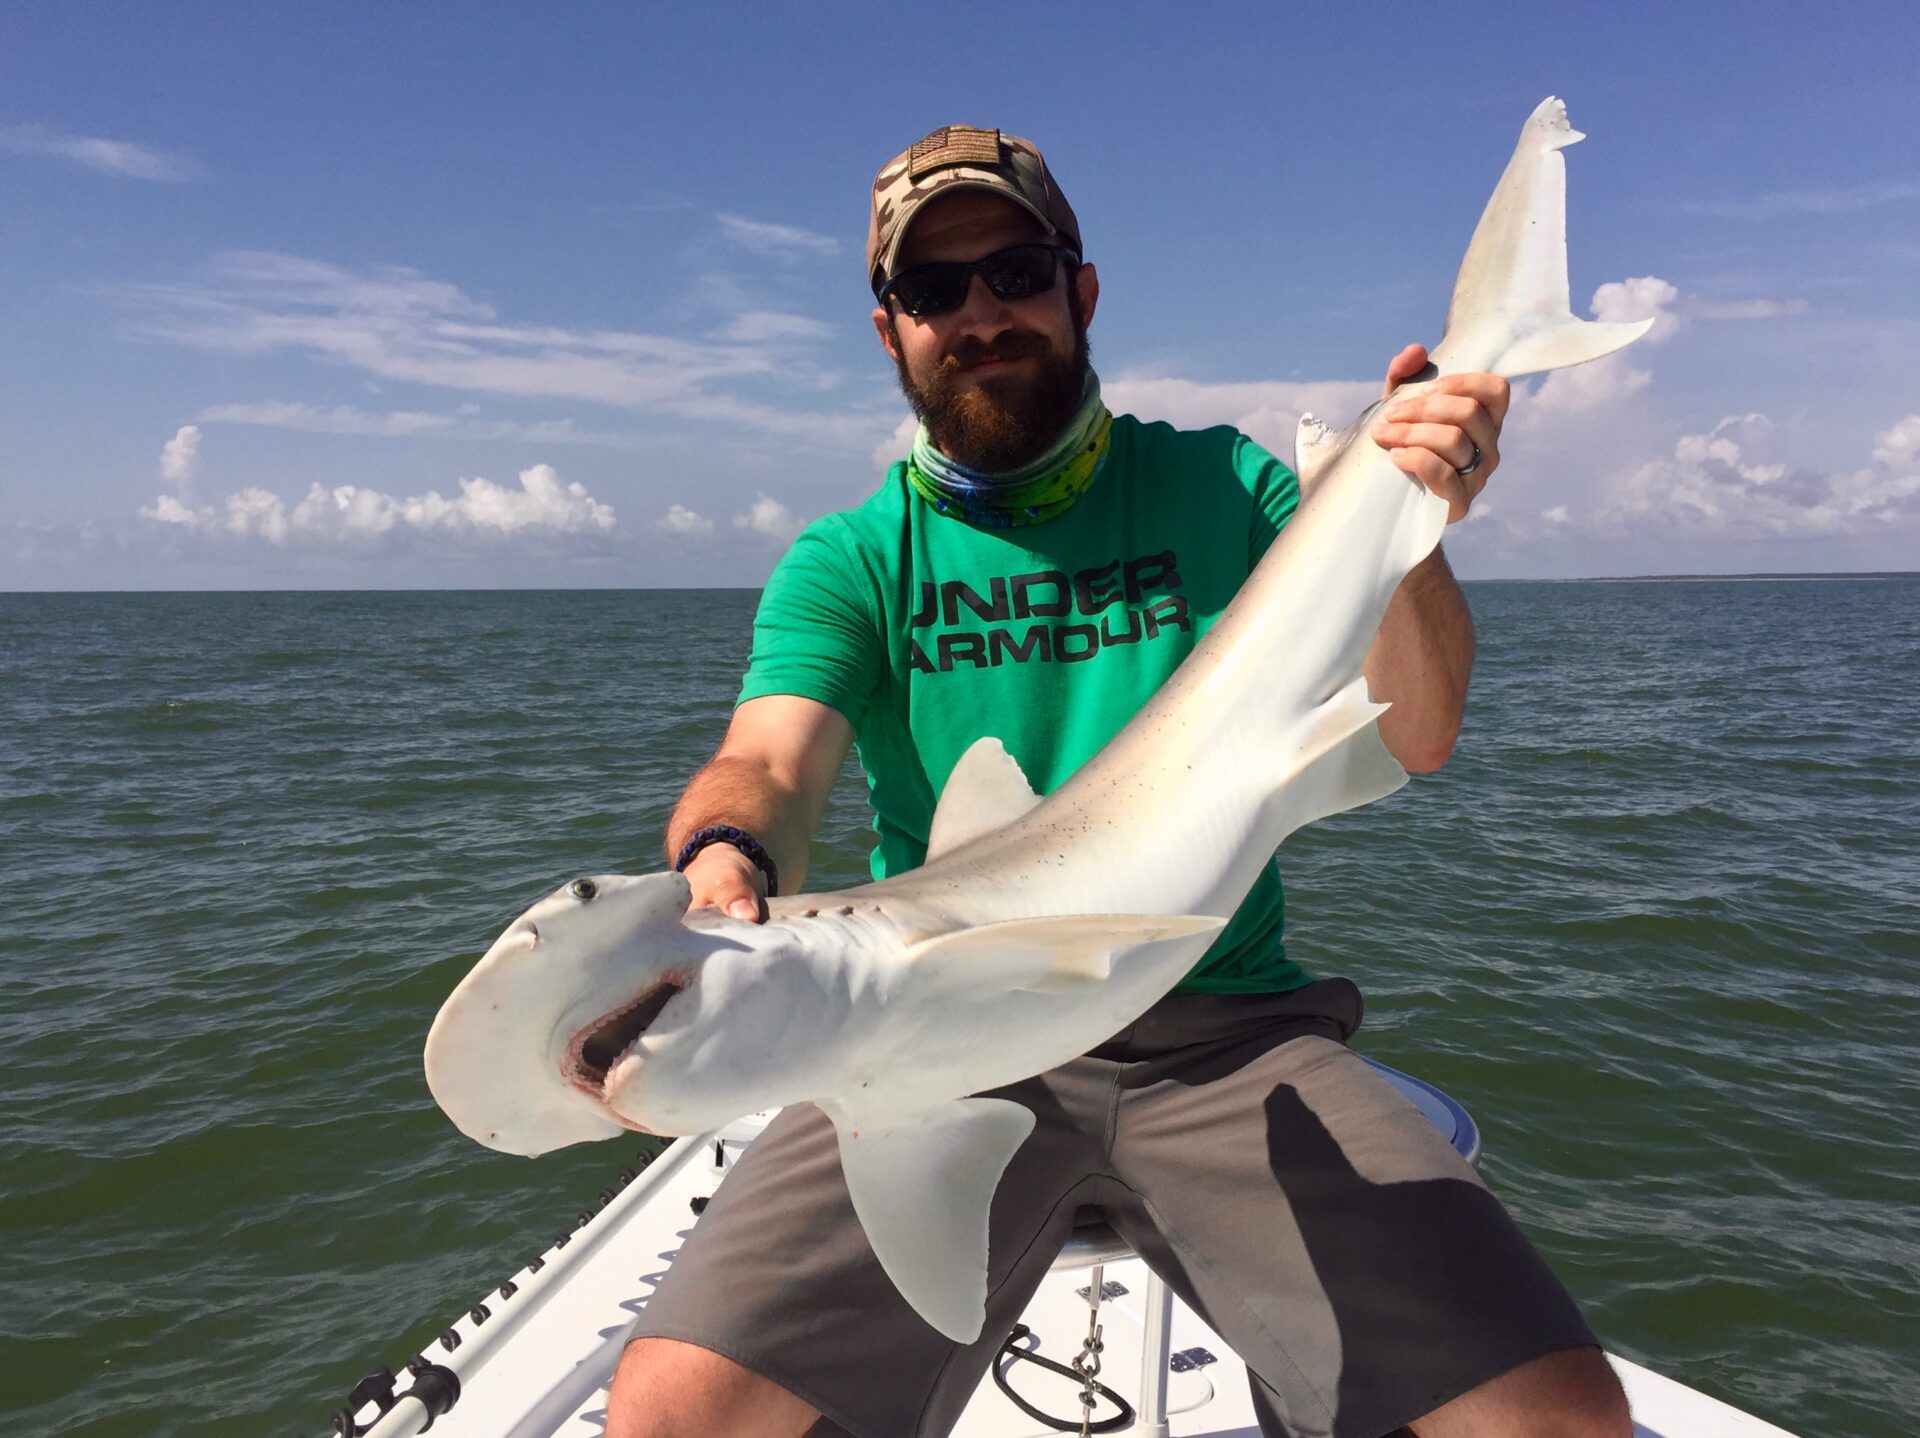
928	633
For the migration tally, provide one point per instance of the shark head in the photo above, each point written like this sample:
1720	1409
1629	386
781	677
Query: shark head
583	973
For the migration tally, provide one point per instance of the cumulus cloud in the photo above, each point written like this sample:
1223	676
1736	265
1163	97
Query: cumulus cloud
108	157
680	520
180	456
396	324
895	446
770	519
482	509
1731	482
763	237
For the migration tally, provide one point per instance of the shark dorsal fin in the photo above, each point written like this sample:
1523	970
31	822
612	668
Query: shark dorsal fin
985	791
922	1185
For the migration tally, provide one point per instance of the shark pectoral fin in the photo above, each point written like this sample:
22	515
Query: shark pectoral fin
985	791
922	1186
1053	955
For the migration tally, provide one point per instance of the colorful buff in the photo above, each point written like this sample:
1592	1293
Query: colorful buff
1031	495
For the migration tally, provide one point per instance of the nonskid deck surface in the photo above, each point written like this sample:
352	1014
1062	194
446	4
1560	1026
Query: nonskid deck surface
542	1358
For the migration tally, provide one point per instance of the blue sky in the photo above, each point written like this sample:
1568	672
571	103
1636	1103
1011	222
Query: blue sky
470	295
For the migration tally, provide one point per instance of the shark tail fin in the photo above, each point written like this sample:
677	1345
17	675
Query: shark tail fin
1510	312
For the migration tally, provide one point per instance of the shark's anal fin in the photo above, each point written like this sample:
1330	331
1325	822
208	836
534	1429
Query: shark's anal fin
1054	955
985	791
922	1187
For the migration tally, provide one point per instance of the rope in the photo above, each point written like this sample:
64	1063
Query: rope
1010	1351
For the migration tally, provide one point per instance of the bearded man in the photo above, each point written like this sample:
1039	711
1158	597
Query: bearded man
1034	570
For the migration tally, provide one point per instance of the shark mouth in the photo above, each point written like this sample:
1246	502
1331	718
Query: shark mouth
596	1049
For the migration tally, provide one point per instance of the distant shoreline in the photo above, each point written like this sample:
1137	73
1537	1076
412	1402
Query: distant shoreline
1749	578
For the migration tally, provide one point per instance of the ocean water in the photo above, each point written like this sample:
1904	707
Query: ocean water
1657	924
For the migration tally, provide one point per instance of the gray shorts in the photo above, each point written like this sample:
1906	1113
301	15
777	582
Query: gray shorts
1310	1214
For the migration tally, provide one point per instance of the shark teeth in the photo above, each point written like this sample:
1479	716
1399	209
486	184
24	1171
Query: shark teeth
596	1049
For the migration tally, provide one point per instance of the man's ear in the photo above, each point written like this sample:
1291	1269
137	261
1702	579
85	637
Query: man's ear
883	328
1086	282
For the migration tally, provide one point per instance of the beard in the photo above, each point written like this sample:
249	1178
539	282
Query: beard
1007	420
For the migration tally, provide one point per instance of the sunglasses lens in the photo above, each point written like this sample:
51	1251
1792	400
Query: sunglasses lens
932	289
1016	273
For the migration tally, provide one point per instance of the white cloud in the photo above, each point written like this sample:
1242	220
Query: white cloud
896	446
397	324
482	509
764	326
765	238
180	456
1821	201
1757	309
1899	447
109	157
256	512
680	520
406	424
770	519
1730	482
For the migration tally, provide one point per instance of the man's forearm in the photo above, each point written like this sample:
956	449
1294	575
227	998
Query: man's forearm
746	793
1420	662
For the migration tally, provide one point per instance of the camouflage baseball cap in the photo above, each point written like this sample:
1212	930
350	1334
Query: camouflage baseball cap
960	157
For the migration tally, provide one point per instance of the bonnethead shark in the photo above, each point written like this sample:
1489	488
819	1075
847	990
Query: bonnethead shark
1038	927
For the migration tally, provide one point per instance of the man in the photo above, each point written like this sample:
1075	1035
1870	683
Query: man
1034	570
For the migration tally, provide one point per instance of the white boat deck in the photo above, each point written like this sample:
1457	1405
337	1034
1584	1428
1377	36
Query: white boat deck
538	1364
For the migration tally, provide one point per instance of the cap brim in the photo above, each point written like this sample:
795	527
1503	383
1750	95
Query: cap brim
892	252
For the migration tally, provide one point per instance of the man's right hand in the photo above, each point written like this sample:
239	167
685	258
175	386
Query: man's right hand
723	878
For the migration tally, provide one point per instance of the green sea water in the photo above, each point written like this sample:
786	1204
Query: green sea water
1657	924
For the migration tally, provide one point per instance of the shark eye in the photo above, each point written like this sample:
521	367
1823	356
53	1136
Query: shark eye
583	889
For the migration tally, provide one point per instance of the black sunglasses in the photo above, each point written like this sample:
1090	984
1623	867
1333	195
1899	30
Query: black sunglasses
940	287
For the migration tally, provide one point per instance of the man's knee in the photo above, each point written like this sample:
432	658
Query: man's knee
667	1389
1570	1394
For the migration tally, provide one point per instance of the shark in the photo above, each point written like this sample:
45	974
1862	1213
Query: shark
1038	926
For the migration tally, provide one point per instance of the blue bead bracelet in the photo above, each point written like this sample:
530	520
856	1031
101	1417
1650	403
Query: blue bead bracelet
741	840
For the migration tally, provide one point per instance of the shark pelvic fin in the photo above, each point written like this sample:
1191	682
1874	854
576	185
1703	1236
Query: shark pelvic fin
985	791
922	1186
1510	312
1353	766
1053	955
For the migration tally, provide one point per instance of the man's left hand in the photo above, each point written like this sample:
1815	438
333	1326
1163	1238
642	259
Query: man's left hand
1432	435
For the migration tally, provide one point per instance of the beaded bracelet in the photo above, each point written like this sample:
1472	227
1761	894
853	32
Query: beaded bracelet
741	840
